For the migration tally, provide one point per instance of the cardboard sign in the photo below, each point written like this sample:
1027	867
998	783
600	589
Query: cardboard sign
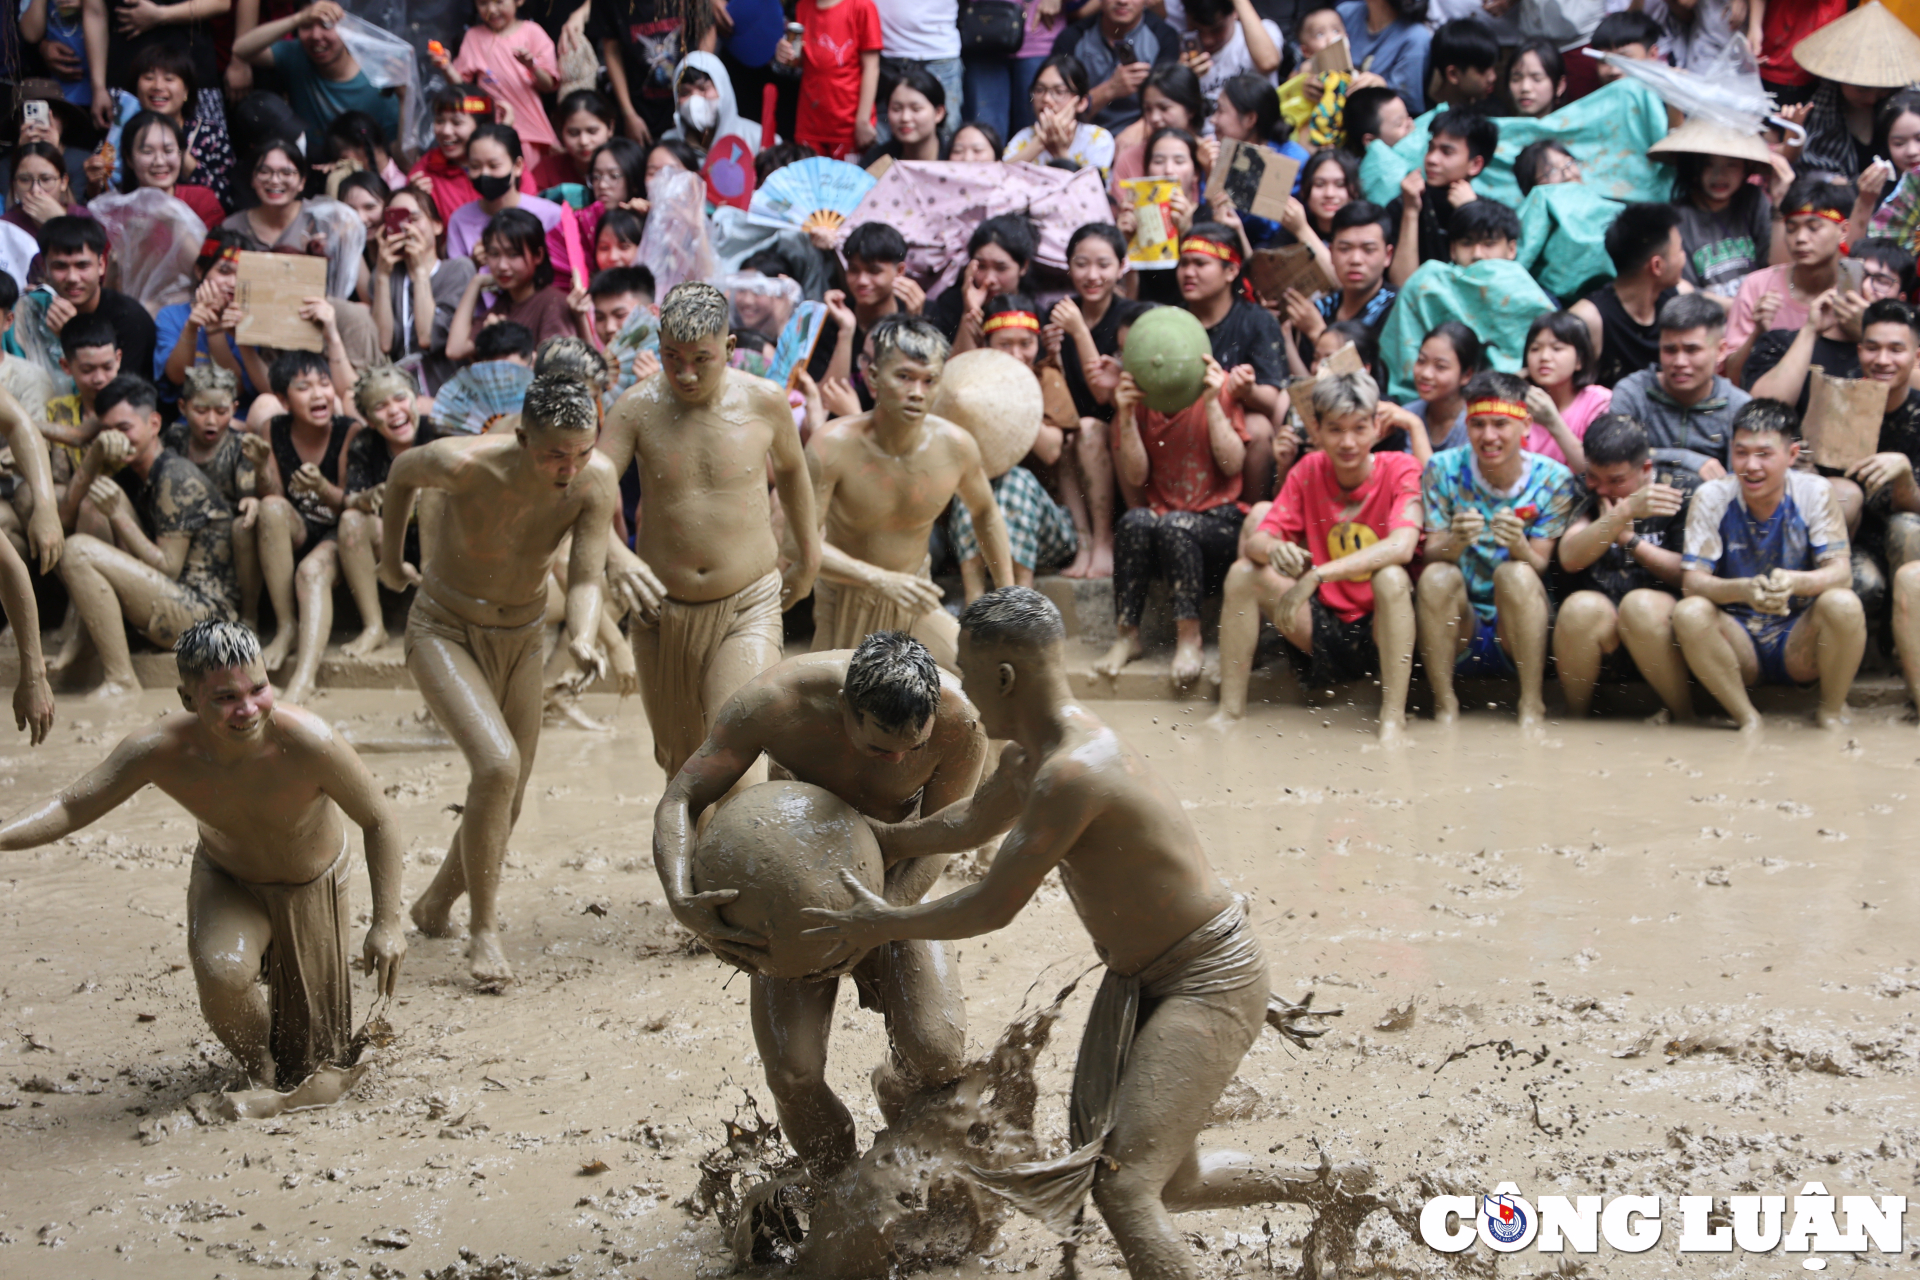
878	169
1335	57
1154	246
271	288
1345	360
1842	425
1257	180
1274	271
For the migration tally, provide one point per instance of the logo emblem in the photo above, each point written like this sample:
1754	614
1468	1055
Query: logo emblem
1506	1218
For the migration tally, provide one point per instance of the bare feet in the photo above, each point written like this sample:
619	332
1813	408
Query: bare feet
115	687
1221	723
366	642
1082	559
275	655
1826	719
1446	707
1102	565
1533	717
1188	659
487	959
1750	725
1124	650
562	708
1393	732
433	917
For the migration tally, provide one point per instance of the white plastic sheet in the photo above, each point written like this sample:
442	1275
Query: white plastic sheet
155	239
346	238
391	63
1725	90
675	245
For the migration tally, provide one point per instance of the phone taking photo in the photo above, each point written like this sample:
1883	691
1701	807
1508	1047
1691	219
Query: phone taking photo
398	220
35	113
1123	53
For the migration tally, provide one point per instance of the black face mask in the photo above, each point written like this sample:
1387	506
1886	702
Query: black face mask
492	186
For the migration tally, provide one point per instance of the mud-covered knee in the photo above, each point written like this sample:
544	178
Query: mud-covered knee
1393	582
1840	606
792	1080
496	772
1122	1191
225	977
1694	617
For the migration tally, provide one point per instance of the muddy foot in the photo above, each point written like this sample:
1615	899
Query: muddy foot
275	655
1393	733
114	688
1825	719
1082	561
562	709
1221	723
487	959
1188	659
1102	565
1446	709
1533	720
1124	650
433	918
366	642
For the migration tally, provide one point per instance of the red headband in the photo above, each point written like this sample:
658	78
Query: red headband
1208	248
1012	320
1834	216
1499	408
212	248
475	106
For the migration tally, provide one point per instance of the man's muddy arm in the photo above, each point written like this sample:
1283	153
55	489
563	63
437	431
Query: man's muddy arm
111	784
794	483
44	536
992	809
989	525
587	562
1835	571
955	778
418	468
33	695
722	760
1722	591
346	780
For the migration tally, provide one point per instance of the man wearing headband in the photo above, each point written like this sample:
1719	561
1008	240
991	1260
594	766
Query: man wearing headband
1493	514
1815	215
1242	335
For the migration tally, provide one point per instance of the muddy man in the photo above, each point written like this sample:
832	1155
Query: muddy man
707	588
267	785
1186	986
474	633
881	480
887	731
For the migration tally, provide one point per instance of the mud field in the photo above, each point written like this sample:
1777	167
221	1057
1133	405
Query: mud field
1632	960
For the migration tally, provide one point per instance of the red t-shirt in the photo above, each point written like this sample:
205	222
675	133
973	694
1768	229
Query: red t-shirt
1181	472
1785	26
830	71
202	201
1314	510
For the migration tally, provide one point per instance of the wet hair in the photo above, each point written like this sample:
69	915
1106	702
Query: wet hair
1638	232
560	402
127	388
499	341
1533	159
516	229
1478	130
631	159
286	147
1890	311
1362	213
989	134
222	237
358	130
1069	69
289	365
1493	384
1767	417
1463	42
365	180
1253	96
1466	344
1614	438
910	337
922	82
1820	191
1483	221
209	379
1340	395
1362	115
778	156
1105	232
1018	617
693	311
567	355
369	382
1010	231
1572	330
682	152
625	225
893	679
507	138
1176	82
1691	311
69	234
1618	30
135	129
615	281
875	242
1183	136
1551	62
1884	251
213	645
586	100
83	332
170	57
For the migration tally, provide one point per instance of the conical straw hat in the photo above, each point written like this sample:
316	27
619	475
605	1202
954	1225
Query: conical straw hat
1700	136
1869	47
997	399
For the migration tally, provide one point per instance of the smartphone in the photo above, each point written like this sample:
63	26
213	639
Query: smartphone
398	220
34	113
1190	44
1851	276
1123	53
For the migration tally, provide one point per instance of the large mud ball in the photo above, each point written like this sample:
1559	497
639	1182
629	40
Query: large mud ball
1167	352
997	400
782	846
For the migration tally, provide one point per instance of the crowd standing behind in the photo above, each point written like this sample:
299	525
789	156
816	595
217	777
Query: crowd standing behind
1604	476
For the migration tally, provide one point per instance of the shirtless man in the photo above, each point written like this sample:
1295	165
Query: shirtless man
707	588
474	634
881	479
268	893
1176	943
34	500
890	733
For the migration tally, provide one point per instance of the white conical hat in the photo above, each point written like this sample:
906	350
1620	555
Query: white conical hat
1869	47
997	399
1699	136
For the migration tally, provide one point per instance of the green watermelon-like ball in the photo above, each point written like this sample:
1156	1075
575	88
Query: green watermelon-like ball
1166	353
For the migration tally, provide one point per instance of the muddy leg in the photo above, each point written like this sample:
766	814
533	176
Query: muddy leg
246	569
1646	627
359	566
111	589
791	1024
314	582
1721	656
1520	599
1906	625
1587	629
227	937
280	534
1251	593
1393	633
1852	502
926	1023
1445	621
1827	643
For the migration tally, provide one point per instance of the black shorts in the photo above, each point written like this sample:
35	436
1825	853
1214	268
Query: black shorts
1342	651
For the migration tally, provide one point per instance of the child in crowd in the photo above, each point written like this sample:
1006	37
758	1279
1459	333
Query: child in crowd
1375	113
1536	79
1316	104
1459	146
839	61
442	172
1461	64
489	388
1726	218
515	62
1560	365
1629	34
206	436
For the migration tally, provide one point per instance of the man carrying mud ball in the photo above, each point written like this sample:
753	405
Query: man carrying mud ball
474	633
706	589
1186	984
887	731
268	893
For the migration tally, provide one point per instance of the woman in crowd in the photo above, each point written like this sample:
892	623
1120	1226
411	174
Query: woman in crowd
1059	100
415	290
1896	131
154	149
1544	162
671	153
495	167
586	124
1448	357
915	111
187	333
976	143
1560	361
998	254
616	179
518	274
164	83
1726	218
1174	155
1536	79
1170	99
366	194
441	173
38	192
616	243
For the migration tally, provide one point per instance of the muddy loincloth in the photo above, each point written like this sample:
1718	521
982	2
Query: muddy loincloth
499	651
309	986
673	655
1222	955
845	614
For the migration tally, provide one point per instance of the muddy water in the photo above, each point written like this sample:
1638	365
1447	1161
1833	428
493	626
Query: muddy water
1714	948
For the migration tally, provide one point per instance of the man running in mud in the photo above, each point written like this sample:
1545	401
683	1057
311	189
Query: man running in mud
890	733
1186	985
707	589
881	480
474	633
268	893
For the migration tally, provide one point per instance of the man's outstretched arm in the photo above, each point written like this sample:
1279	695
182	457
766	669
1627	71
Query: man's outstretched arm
954	779
111	784
346	780
587	567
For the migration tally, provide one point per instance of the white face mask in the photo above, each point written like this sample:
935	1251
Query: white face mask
700	113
